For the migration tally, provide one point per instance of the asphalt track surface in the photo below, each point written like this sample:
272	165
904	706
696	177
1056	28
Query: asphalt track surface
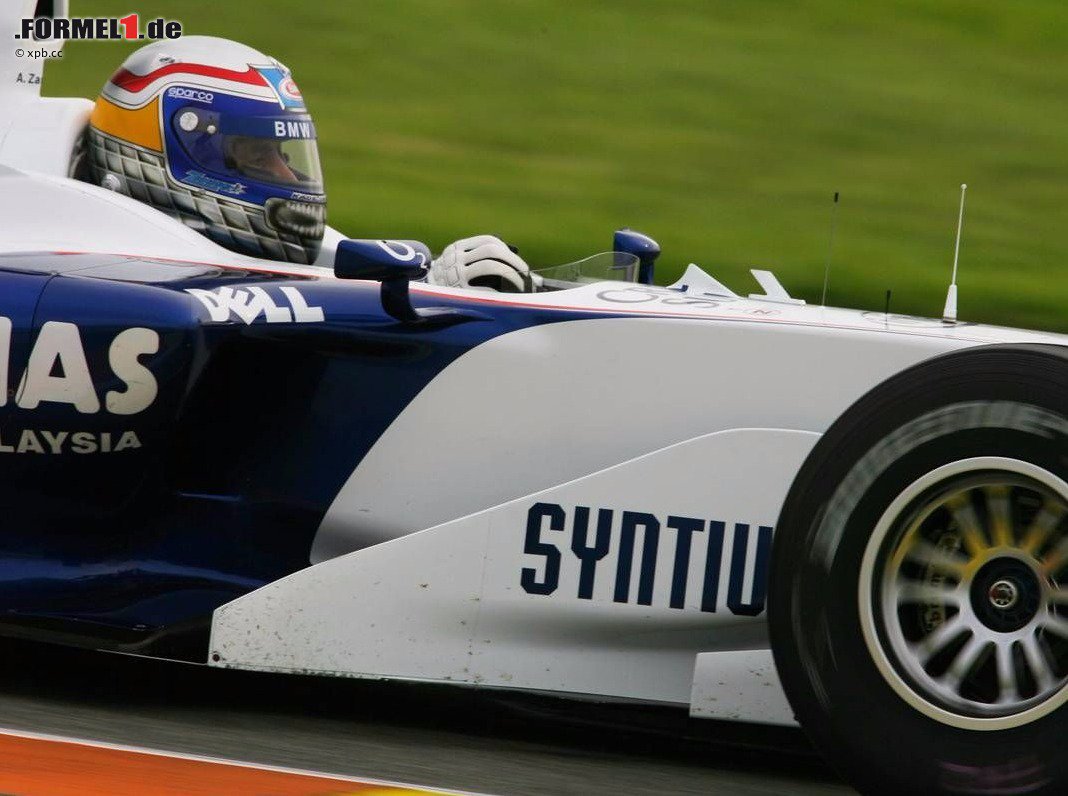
434	737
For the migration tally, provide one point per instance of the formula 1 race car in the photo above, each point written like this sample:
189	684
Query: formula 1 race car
747	507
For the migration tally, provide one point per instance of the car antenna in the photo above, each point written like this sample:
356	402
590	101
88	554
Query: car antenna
830	250
949	313
886	311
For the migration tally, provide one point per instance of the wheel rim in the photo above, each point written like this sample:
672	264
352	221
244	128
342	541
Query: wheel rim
964	593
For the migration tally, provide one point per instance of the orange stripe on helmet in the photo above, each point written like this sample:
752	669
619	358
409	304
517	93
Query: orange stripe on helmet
140	126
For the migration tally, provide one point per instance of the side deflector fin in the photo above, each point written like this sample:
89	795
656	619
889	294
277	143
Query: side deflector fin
773	289
695	280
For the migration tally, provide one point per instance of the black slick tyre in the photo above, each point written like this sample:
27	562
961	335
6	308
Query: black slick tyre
918	608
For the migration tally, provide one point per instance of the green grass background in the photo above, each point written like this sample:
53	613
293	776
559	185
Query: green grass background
720	127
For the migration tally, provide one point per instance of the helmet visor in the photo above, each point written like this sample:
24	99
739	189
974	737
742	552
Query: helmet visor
271	150
291	163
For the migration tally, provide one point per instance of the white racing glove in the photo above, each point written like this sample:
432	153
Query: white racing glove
482	261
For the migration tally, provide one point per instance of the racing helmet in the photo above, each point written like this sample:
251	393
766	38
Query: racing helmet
215	134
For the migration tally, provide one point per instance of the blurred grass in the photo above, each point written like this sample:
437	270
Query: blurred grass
721	128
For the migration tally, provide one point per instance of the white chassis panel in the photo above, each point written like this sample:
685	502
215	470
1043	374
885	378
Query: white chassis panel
739	685
551	403
446	604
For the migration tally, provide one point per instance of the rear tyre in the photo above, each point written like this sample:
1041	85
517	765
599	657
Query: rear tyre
919	580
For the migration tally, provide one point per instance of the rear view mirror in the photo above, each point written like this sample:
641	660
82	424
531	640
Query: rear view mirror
641	246
381	260
395	263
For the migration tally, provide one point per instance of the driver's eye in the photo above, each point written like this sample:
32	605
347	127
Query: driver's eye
251	148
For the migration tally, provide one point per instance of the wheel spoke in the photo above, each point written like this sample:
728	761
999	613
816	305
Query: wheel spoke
964	515
914	591
1008	688
923	552
1056	558
999	514
1055	624
1037	662
1048	517
965	662
937	639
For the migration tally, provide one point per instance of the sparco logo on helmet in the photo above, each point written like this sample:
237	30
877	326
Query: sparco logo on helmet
191	94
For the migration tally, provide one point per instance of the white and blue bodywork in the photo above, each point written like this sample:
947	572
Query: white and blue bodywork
254	465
